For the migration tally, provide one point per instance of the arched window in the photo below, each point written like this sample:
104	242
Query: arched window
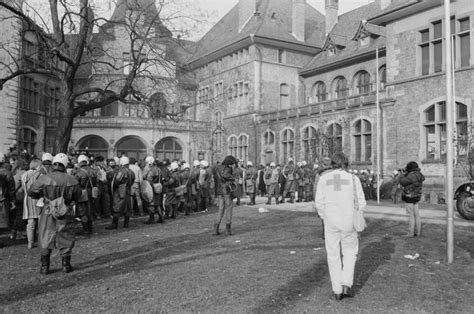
233	147
309	143
27	140
243	147
287	144
132	147
268	138
93	144
362	82
435	130
284	96
362	140
382	77
334	134
340	89
168	148
319	93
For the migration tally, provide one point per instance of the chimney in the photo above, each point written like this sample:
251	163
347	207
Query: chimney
332	7
247	8
298	19
385	3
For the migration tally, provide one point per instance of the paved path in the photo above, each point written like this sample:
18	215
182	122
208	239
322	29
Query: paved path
435	214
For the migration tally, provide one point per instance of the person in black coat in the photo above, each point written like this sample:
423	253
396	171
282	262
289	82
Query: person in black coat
411	181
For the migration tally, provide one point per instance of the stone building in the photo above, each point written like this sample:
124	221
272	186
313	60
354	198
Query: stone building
247	68
129	128
27	100
276	87
415	126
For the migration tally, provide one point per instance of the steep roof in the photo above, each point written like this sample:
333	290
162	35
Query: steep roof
343	33
273	22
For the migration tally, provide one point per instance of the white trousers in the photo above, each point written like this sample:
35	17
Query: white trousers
341	249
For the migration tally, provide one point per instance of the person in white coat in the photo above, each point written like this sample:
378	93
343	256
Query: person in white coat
335	205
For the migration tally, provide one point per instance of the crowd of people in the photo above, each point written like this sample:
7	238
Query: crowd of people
48	195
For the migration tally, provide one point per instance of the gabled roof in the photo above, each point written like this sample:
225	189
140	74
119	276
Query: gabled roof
368	29
273	22
402	8
343	33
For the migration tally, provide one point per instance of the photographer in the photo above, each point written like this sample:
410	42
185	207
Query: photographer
224	185
411	180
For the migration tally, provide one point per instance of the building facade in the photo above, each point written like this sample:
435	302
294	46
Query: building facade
130	127
278	101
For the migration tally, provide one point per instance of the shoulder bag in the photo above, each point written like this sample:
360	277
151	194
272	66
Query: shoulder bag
358	220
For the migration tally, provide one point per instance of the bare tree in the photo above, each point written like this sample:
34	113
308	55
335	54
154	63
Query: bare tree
72	49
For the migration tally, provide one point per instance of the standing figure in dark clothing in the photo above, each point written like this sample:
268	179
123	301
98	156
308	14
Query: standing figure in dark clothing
55	231
7	193
251	182
411	180
224	183
121	186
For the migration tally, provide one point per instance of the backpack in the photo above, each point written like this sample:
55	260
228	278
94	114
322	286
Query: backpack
58	208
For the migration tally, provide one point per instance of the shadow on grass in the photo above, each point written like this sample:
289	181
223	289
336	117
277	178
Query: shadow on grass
372	256
140	258
299	287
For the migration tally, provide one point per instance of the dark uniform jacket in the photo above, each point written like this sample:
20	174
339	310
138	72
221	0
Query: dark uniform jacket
224	180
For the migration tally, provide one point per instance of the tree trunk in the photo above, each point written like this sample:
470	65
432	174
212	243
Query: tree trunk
62	135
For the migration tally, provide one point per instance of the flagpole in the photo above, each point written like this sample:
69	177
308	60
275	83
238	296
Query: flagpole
379	129
449	134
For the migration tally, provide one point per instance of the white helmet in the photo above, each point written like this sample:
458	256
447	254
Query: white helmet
272	164
61	159
315	166
290	159
82	158
204	163
47	157
149	160
303	163
117	160
185	166
124	161
298	164
196	163
174	166
249	163
355	171
2	157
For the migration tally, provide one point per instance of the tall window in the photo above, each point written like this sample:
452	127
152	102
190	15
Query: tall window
382	77
308	139
218	91
319	93
287	144
340	87
243	147
284	96
435	130
27	140
362	82
217	140
461	41
268	138
30	94
431	40
334	133
126	63
362	140
281	56
168	148
218	118
94	145
233	147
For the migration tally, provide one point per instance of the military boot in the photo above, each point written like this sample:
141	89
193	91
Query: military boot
270	201
216	229
44	264
66	261
126	221
150	220
113	225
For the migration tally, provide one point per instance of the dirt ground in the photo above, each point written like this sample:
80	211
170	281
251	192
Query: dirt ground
274	262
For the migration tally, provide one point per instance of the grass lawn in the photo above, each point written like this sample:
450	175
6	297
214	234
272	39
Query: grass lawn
274	262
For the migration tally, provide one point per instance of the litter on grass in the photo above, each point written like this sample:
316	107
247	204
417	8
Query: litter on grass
262	210
237	241
292	252
412	256
316	248
125	240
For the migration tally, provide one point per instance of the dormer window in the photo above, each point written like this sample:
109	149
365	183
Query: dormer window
332	51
